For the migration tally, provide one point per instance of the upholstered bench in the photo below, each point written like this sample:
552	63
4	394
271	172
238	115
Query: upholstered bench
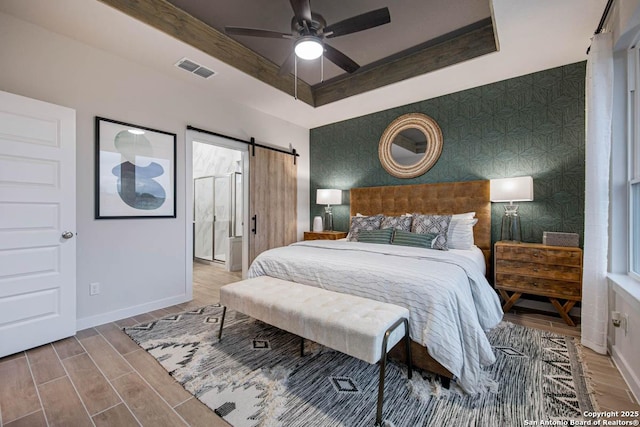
356	326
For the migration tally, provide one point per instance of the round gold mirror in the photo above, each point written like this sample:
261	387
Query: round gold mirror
410	145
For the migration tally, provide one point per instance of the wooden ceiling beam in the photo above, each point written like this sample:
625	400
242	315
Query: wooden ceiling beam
177	23
462	47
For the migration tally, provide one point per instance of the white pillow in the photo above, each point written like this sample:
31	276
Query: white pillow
460	232
466	215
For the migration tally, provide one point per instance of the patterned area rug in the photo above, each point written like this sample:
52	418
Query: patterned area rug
255	376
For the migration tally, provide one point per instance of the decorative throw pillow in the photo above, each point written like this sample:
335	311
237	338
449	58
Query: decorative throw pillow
439	224
359	223
397	222
375	236
460	233
405	238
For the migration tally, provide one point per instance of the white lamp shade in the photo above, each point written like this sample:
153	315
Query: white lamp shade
328	197
518	189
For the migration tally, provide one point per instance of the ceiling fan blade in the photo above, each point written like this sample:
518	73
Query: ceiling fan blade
340	59
302	10
286	66
253	32
358	23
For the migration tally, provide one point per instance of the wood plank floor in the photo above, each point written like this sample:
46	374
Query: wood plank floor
100	377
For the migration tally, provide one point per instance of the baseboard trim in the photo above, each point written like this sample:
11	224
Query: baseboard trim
627	373
112	316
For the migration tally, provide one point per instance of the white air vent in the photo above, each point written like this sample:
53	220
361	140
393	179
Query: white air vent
192	67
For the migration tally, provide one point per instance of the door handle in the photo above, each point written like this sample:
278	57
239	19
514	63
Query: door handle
254	218
67	235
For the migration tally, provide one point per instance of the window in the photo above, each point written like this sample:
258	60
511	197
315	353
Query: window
635	228
634	161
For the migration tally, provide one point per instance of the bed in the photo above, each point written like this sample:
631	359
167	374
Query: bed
451	303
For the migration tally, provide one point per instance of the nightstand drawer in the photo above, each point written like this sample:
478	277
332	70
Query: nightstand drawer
540	255
539	286
533	269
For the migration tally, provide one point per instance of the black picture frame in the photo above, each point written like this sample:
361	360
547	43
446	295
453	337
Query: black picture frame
135	171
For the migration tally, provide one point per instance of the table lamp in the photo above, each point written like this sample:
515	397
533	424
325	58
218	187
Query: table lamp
328	197
518	189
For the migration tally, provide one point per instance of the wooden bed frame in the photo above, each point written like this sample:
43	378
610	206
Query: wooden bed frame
440	198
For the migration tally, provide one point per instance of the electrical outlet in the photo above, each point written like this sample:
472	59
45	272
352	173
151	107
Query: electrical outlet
94	288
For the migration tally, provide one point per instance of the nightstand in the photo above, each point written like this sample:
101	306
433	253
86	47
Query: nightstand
531	268
324	235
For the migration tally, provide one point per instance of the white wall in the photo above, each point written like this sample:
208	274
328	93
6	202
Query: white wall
140	264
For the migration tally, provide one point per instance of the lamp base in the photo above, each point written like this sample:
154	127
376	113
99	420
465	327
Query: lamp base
511	229
328	219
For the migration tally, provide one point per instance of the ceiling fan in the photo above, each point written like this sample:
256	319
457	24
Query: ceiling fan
309	31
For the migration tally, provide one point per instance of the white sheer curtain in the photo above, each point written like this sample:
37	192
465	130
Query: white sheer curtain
599	94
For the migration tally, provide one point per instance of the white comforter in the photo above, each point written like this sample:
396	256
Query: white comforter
451	304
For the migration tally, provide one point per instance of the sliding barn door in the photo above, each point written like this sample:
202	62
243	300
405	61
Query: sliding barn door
272	201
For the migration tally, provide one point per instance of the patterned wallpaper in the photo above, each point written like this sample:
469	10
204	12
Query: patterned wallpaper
528	125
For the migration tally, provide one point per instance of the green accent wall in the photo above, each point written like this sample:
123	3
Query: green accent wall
528	125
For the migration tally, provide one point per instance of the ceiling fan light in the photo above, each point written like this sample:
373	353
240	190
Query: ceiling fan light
308	48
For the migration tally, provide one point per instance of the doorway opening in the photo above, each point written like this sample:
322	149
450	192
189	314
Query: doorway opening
219	196
217	219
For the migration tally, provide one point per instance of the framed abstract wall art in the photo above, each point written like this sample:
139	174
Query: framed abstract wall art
135	170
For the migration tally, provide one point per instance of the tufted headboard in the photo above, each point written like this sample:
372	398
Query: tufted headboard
440	198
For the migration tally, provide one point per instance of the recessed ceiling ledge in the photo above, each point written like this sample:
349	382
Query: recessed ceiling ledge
177	23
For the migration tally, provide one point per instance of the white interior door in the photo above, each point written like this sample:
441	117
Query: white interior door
37	223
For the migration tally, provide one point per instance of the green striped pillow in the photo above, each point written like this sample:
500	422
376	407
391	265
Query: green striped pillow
405	238
376	236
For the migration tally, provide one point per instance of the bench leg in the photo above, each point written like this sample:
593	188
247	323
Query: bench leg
383	363
407	341
224	311
301	346
446	381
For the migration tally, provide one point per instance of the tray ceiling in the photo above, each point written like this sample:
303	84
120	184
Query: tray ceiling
423	36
